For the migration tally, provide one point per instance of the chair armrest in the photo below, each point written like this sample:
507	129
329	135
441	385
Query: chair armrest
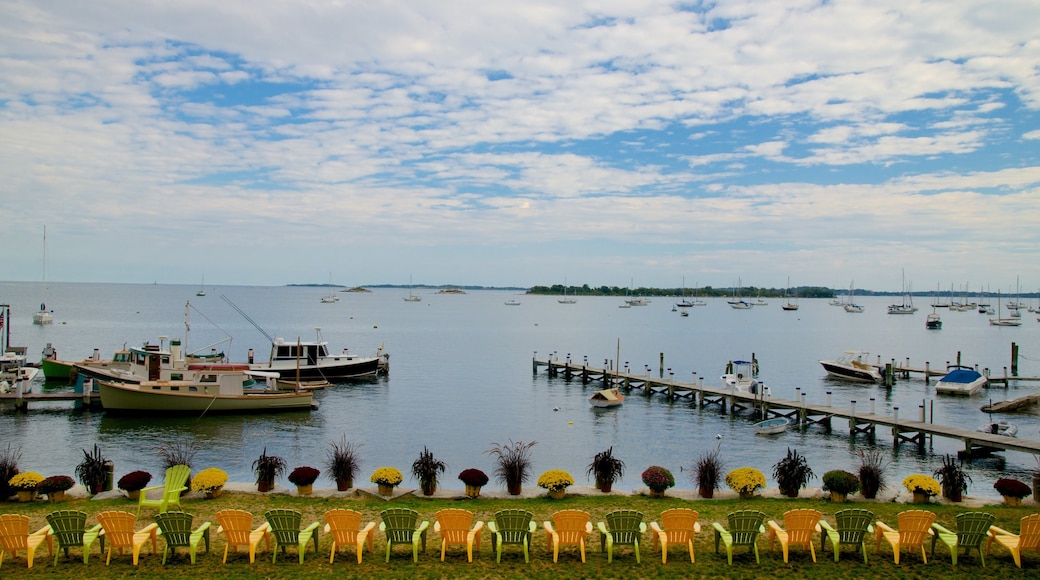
264	527
883	527
656	528
437	526
382	526
311	527
995	531
477	527
697	527
328	528
939	528
531	526
422	526
719	529
548	527
602	526
150	528
151	488
642	527
588	527
774	527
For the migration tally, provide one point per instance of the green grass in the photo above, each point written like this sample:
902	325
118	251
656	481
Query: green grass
708	563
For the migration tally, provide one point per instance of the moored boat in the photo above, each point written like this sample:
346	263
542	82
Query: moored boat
740	376
999	428
960	380
772	426
852	365
607	398
933	321
212	390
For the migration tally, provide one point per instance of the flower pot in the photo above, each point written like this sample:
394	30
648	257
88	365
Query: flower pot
605	486
214	493
706	492
514	488
656	493
134	495
791	492
56	496
265	485
344	484
921	497
1036	487
428	488
747	494
26	495
1012	501
838	497
955	496
557	493
304	489
473	490
385	489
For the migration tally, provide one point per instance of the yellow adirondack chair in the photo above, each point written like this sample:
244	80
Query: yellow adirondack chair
453	525
744	528
1028	538
678	527
623	527
117	527
853	525
15	537
972	528
69	527
798	529
567	528
914	527
345	528
176	478
236	527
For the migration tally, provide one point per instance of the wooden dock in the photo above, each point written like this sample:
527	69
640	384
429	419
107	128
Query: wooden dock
910	427
21	400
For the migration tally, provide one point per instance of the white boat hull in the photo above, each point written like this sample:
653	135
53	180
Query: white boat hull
964	382
771	426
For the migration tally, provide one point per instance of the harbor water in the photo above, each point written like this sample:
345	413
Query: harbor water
461	379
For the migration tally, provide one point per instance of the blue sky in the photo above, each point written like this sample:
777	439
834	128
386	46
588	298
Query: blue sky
505	143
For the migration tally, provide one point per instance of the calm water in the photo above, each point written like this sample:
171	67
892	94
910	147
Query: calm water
461	378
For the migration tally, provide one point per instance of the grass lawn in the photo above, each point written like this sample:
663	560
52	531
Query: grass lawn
708	564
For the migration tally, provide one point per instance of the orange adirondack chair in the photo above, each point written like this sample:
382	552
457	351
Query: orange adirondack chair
236	526
15	537
567	528
914	528
345	528
1028	538
117	528
454	527
798	529
678	527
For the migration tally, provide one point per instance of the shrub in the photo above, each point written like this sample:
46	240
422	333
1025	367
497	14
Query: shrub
840	481
8	468
605	468
658	478
178	452
209	480
387	476
425	469
342	460
871	472
1012	488
25	481
792	472
555	480
952	478
55	483
134	481
513	461
707	471
745	480
303	475
920	483
268	467
474	477
93	470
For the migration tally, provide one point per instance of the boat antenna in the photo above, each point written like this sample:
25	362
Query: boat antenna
246	316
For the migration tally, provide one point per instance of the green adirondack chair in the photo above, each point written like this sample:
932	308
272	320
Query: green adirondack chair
853	525
402	526
175	530
285	529
512	527
176	478
622	528
69	527
972	528
744	528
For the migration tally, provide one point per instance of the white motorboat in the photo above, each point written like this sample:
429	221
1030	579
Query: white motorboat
999	428
852	365
771	426
933	321
607	398
960	380
512	302
740	376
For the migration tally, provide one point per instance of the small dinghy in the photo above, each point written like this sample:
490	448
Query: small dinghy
771	426
607	398
999	428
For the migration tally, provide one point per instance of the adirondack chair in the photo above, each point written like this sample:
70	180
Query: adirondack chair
797	530
677	528
454	527
744	528
567	528
1028	538
176	478
622	528
285	531
15	537
118	529
402	526
235	525
972	528
69	527
345	528
512	527
853	525
914	527
175	530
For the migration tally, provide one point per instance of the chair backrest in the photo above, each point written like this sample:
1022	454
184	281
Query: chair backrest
800	525
570	525
67	526
175	527
454	524
679	524
514	526
285	525
176	478
236	525
119	527
745	525
972	528
344	525
914	526
399	524
1029	533
852	525
14	532
623	525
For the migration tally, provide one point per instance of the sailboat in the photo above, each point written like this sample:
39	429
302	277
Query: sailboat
790	305
411	297
683	302
42	316
907	307
738	303
851	306
331	298
565	299
202	287
1003	321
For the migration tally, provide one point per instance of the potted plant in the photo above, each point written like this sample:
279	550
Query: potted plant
342	463
24	484
210	482
745	481
387	478
93	470
133	482
513	463
474	480
556	481
606	469
840	483
8	468
267	468
425	469
952	478
303	478
872	466
1012	490
707	472
792	473
922	486
55	487
178	452
658	479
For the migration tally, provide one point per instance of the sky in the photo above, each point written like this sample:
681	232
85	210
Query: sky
649	143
